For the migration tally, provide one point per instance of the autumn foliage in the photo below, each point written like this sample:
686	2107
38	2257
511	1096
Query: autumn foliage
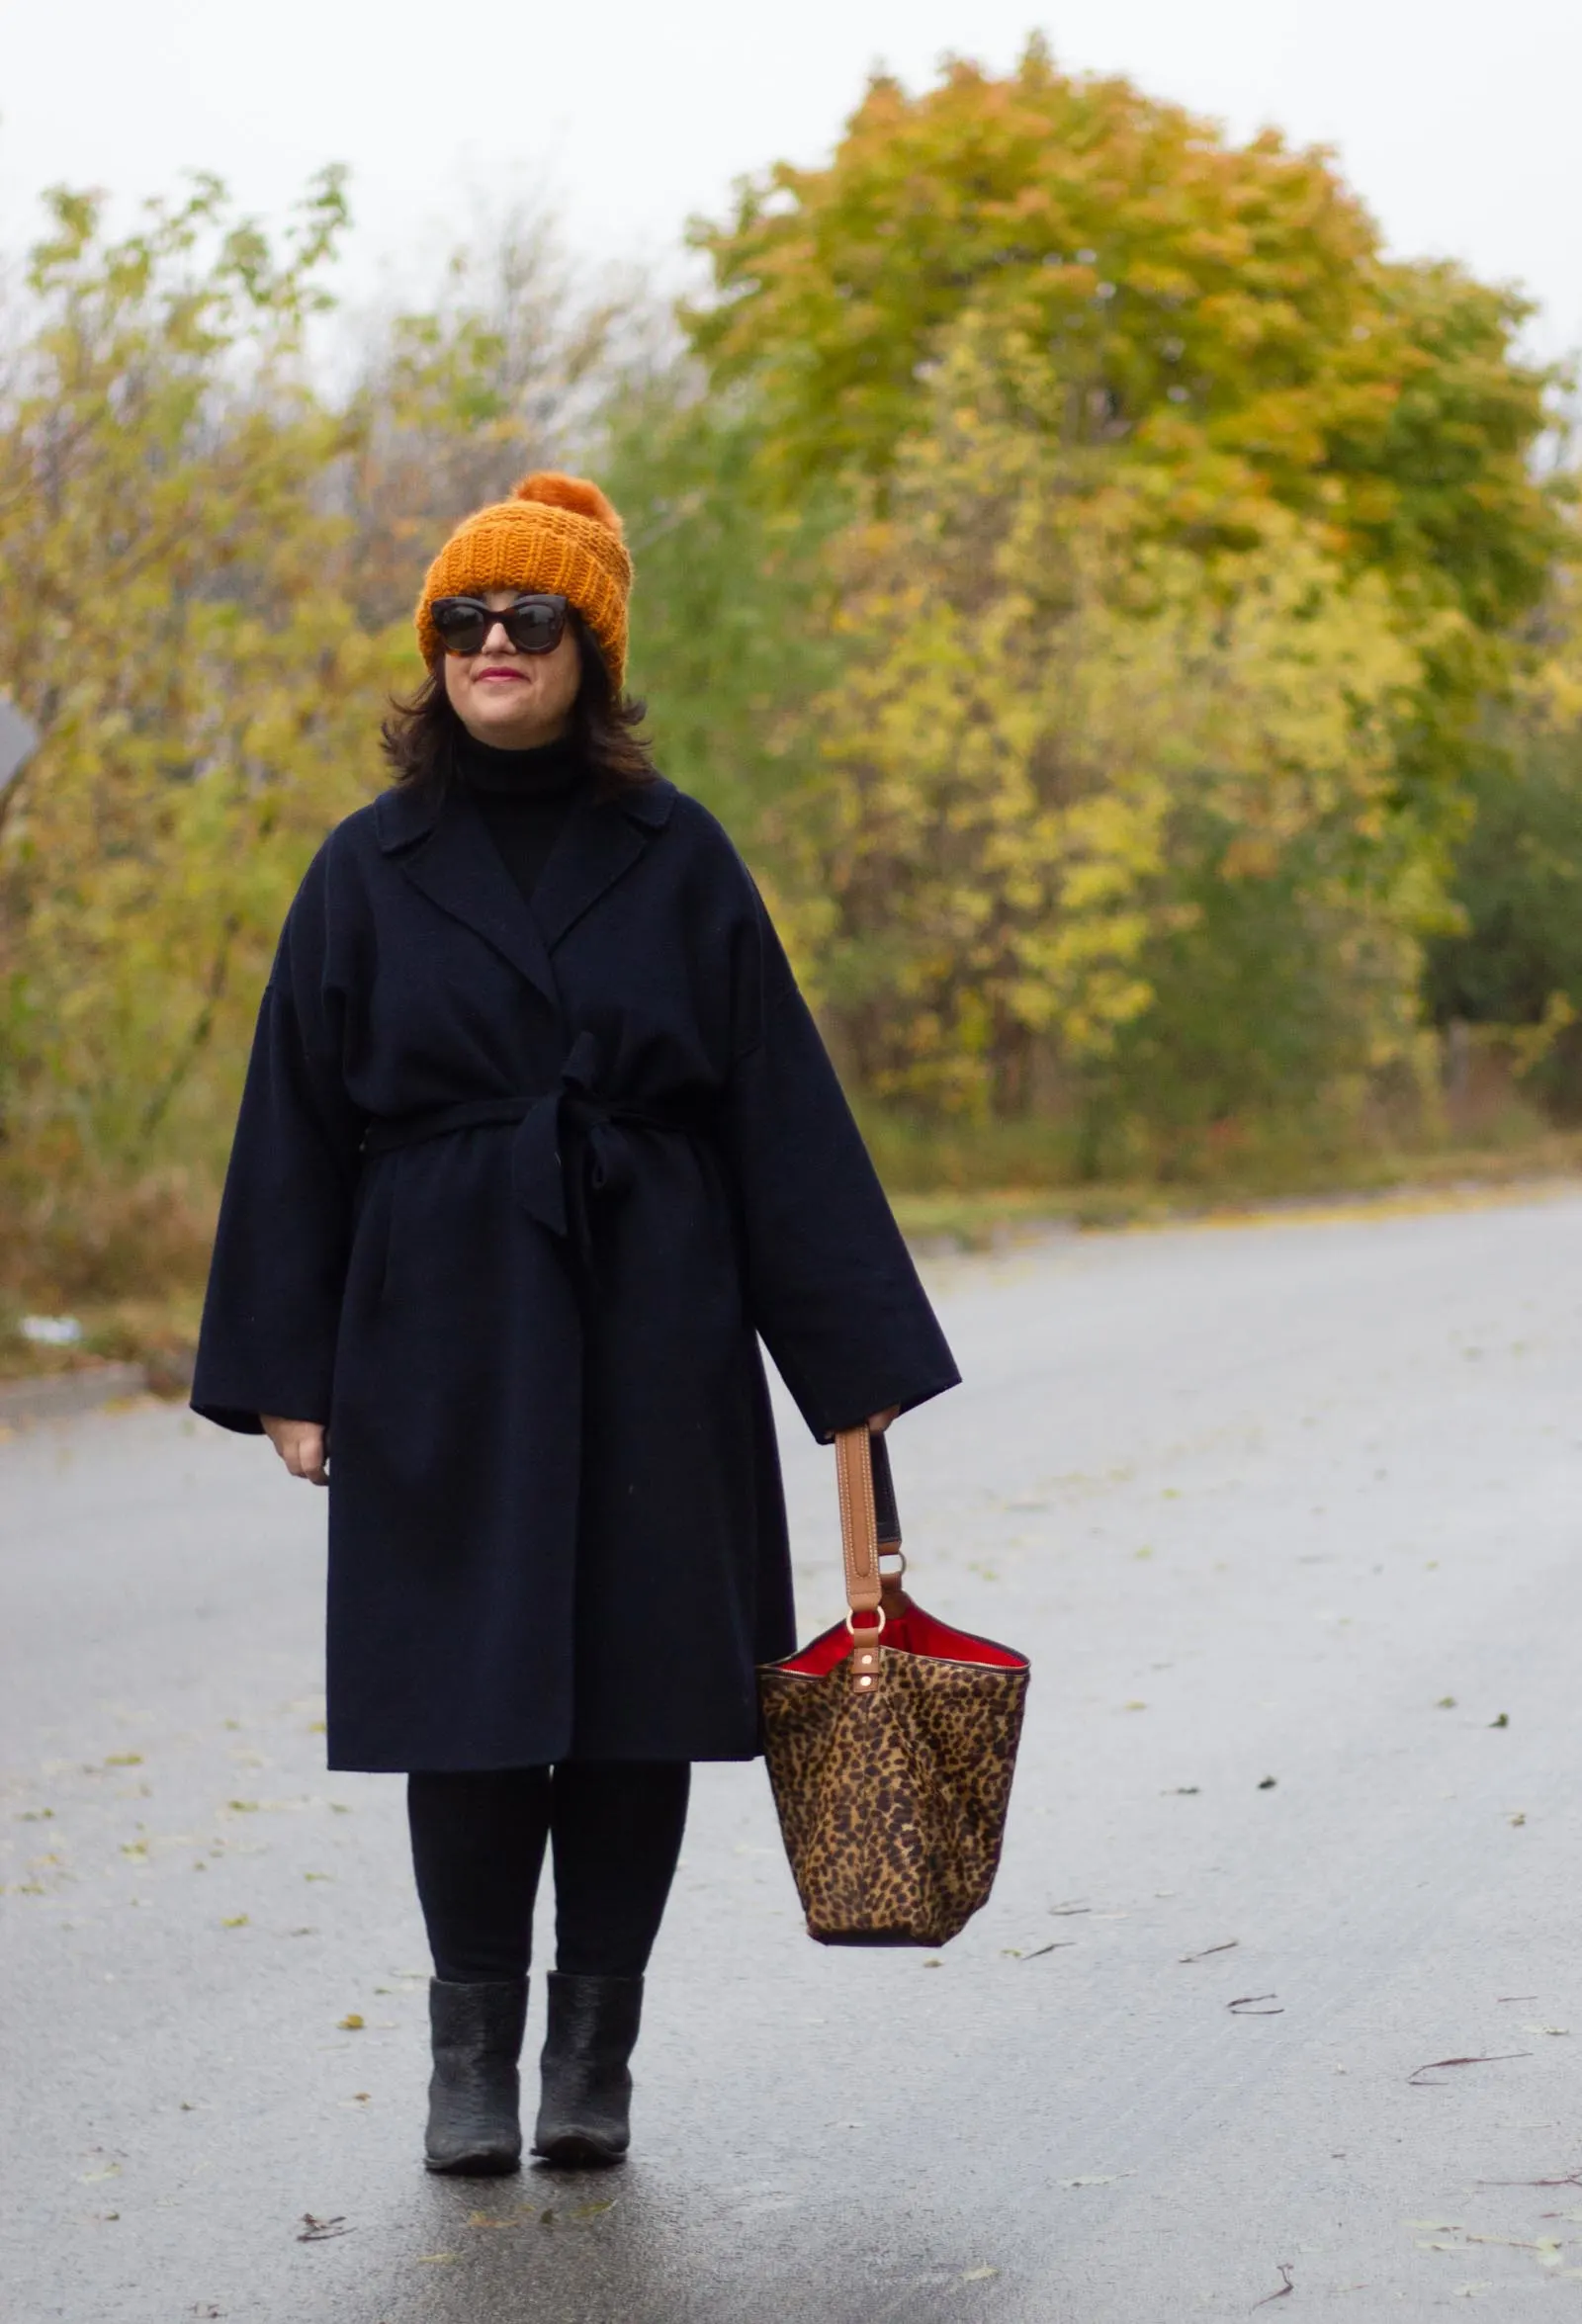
1118	609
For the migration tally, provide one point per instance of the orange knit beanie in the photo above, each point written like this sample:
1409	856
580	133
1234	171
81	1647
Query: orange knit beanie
557	533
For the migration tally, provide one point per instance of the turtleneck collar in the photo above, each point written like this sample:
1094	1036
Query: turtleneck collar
550	768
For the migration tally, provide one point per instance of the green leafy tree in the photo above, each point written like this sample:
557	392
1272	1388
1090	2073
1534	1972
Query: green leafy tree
1512	966
1059	771
733	624
1220	315
1195	379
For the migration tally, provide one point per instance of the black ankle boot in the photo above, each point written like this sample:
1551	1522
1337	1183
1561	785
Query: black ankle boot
473	2126
588	2090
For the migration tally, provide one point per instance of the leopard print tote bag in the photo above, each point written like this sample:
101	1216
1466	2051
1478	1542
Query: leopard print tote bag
891	1742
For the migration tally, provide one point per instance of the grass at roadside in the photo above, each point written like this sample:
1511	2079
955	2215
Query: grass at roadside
971	1220
160	1332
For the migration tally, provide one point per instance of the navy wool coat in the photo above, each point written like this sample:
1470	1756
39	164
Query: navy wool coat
514	1193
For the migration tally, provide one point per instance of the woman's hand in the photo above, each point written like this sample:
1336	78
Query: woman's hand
301	1444
877	1422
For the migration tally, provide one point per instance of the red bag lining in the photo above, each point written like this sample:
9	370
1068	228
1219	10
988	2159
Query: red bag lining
915	1632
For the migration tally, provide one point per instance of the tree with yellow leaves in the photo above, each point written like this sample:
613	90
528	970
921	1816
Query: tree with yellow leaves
174	618
1049	736
1218	317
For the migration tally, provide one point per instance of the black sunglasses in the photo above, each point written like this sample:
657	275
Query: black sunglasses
534	625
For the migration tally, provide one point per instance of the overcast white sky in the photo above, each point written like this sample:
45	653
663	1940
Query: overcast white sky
1458	120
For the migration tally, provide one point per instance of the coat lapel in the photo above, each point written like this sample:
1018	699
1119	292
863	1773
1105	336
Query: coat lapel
459	867
601	840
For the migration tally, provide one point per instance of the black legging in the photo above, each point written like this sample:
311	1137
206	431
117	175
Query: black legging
478	1847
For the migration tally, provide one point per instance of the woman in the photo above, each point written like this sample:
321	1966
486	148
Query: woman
537	1136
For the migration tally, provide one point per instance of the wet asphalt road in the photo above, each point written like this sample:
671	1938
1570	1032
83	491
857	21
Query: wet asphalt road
1293	1500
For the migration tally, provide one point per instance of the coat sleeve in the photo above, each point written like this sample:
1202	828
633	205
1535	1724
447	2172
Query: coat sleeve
279	1269
831	1288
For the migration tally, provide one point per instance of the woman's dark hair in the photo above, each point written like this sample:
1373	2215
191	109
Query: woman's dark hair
423	733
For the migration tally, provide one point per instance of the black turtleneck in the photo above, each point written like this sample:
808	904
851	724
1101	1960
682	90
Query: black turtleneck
524	797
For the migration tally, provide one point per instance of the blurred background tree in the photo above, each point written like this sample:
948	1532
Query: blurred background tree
173	617
503	371
1217	316
1506	979
1065	774
1064	341
735	611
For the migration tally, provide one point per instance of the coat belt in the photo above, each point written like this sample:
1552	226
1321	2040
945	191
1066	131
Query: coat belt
570	1145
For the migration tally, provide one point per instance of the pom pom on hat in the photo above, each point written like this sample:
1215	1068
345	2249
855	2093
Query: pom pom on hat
557	533
558	491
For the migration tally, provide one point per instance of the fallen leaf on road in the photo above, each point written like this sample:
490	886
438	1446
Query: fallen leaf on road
1504	1720
1057	1944
593	2210
321	2231
1268	1784
1184	1791
1571	2179
1446	1703
237	1920
1517	2243
350	2023
434	2259
1484	2058
1556	2030
1229	1946
980	2275
1285	2271
125	1758
1246	2005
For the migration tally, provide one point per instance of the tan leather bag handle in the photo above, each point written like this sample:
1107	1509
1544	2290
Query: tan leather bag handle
869	1526
859	1522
